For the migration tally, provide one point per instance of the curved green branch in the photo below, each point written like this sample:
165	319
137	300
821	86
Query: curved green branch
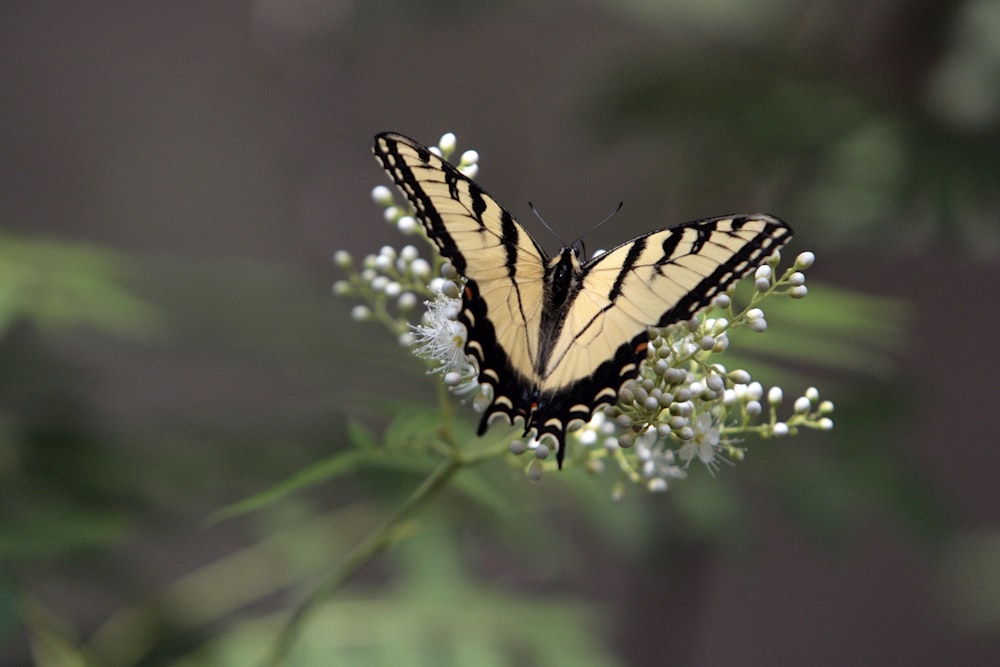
386	535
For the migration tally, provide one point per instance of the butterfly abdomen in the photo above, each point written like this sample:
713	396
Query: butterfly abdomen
562	285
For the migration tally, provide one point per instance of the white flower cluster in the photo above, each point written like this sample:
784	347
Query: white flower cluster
390	282
393	283
683	407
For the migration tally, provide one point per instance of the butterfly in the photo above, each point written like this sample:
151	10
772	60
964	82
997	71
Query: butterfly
556	338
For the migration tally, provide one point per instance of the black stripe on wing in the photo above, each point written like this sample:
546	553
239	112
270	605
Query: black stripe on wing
388	150
773	234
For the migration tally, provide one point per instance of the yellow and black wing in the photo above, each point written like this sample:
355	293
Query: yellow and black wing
655	280
503	267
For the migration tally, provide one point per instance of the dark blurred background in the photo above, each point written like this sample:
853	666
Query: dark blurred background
177	175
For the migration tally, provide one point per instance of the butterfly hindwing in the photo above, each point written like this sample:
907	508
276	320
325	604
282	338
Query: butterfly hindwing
555	345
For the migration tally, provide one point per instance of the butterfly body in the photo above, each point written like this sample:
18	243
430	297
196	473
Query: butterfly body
557	338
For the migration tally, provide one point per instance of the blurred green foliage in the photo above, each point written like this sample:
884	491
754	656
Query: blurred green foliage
57	287
50	455
60	494
852	157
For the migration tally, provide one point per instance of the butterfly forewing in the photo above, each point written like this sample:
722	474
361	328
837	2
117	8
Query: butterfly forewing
503	265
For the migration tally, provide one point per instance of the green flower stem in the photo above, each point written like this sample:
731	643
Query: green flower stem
386	535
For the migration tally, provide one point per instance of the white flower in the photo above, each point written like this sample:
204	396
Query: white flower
775	395
342	258
657	485
440	338
407	225
447	143
421	268
705	445
804	260
407	301
656	459
382	196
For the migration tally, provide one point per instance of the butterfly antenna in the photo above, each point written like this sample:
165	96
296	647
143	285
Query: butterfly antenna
542	220
610	215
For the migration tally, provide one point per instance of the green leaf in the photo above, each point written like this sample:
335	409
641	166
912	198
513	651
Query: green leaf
361	436
59	285
830	328
414	428
479	487
57	531
52	640
317	473
9	616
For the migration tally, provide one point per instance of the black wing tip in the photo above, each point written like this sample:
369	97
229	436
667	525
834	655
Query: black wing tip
381	144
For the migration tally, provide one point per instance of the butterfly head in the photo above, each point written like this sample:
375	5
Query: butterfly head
565	265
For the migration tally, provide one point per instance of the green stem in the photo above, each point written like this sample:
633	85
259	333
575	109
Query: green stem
377	542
